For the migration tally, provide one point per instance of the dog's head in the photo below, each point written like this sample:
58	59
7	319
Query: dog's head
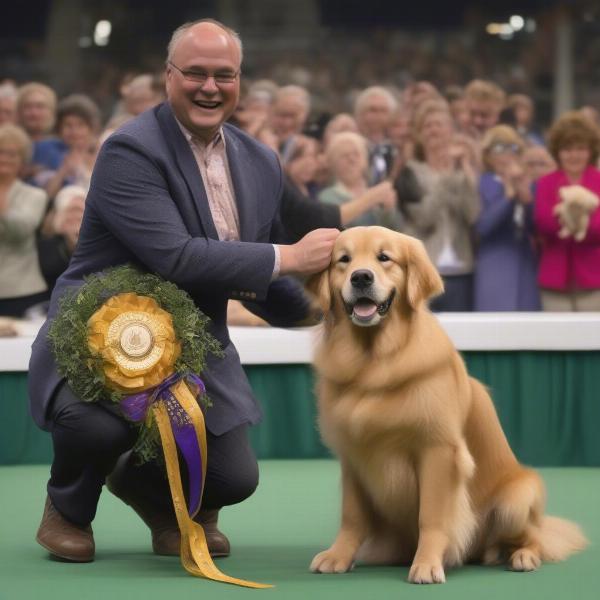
373	271
579	196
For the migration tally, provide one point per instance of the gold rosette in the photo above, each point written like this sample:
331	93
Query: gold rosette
139	348
136	340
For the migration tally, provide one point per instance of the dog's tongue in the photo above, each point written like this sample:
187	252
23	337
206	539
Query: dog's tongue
365	308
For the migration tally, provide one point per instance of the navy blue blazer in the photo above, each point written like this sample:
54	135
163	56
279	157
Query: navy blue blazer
147	206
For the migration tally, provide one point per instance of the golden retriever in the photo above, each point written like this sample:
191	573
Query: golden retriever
428	477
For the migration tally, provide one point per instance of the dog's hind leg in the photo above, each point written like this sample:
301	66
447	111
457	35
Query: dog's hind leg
518	511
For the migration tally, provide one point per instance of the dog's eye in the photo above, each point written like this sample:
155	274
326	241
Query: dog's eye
344	258
383	257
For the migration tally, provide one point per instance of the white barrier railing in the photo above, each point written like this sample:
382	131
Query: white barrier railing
469	331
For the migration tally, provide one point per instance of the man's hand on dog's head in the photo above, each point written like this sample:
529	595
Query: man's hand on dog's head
311	254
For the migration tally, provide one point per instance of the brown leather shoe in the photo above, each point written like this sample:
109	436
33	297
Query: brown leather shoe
218	544
63	538
166	539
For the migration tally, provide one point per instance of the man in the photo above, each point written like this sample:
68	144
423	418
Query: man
485	101
177	193
288	117
373	110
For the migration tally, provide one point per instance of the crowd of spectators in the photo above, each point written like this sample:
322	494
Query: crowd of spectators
507	210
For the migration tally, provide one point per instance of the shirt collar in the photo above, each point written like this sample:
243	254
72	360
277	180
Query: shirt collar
189	136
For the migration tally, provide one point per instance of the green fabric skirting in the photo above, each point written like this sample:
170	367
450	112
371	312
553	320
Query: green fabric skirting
548	403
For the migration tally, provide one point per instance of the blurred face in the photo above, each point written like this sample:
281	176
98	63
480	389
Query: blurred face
348	163
460	113
523	115
304	168
398	130
36	115
483	114
502	155
375	117
10	160
252	112
574	159
139	101
75	132
203	107
8	110
287	117
537	162
436	130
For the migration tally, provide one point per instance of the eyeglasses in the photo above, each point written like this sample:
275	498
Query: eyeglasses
499	148
221	77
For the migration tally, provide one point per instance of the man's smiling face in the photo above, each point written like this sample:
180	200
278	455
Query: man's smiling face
202	107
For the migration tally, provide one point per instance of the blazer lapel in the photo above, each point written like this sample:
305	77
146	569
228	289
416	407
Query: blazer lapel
242	177
184	157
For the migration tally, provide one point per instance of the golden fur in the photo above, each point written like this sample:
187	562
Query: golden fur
428	477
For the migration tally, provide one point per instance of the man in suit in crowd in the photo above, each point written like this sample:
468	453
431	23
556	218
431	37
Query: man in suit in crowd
374	108
289	112
179	193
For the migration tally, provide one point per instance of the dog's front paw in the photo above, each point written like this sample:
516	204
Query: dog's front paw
329	561
524	560
426	573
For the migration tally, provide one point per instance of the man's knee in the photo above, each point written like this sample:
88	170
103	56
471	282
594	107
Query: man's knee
92	429
243	484
233	484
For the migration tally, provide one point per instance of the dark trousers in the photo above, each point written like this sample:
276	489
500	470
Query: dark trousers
89	439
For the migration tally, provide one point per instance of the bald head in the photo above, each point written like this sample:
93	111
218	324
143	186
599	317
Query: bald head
203	76
208	29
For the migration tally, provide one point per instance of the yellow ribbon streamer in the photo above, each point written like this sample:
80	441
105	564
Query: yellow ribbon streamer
195	556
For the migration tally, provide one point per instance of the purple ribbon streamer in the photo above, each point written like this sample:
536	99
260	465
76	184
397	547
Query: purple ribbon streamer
135	408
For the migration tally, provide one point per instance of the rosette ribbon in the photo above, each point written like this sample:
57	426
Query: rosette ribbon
137	342
185	431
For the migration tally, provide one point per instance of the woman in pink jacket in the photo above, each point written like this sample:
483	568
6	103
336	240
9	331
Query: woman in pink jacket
569	273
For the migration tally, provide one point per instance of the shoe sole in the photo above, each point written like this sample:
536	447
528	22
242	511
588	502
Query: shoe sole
64	556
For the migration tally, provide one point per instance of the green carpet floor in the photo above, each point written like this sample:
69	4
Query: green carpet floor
293	514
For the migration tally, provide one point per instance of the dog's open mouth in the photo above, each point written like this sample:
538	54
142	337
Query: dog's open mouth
364	309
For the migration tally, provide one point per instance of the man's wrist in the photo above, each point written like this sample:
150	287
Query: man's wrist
277	264
287	259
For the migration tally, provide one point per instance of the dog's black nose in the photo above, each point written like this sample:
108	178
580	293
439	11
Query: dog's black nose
361	279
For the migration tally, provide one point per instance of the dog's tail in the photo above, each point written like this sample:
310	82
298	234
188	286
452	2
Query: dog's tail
560	538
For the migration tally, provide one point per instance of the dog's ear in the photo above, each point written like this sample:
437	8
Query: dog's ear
318	286
423	280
